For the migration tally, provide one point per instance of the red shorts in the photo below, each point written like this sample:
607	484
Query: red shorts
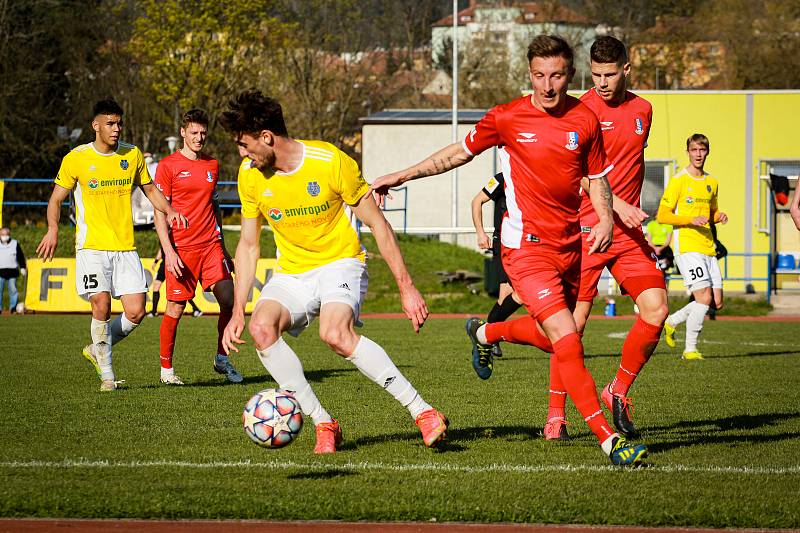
632	263
207	265
546	280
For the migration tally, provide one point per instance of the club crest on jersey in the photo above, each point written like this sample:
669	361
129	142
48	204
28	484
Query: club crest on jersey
572	140
209	176
124	164
708	188
275	214
313	188
93	183
639	126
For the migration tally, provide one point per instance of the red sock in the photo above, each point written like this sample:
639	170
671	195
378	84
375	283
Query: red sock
636	351
557	393
169	326
222	323
520	331
580	385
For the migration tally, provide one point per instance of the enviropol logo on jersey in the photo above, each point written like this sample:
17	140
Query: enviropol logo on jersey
313	188
572	140
310	210
275	214
639	126
689	200
93	183
124	164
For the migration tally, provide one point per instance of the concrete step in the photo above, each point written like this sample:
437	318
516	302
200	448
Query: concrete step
785	303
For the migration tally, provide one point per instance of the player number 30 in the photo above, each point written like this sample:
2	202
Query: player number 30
696	273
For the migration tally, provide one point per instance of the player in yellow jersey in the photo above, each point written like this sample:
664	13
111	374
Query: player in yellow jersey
689	204
102	175
310	194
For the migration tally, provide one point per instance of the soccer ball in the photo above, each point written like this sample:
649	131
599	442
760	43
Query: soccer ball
272	418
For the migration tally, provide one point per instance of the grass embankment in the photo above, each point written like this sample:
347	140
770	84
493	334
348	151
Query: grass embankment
424	257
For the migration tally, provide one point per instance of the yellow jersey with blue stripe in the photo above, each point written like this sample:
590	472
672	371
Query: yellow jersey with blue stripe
307	208
102	185
691	196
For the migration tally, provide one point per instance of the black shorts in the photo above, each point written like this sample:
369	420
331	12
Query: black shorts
497	265
161	274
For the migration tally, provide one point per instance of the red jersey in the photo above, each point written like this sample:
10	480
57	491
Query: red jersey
625	130
543	158
189	186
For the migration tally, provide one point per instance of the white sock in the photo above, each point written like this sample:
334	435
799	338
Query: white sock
121	328
694	324
286	369
480	334
101	337
680	316
374	362
167	372
608	444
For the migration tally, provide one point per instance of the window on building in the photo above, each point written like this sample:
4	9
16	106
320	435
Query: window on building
656	175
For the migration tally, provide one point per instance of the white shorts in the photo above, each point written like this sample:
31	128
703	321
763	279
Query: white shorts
118	273
699	271
303	295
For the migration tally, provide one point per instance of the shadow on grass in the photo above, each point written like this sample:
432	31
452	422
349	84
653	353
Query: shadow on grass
710	431
313	376
754	354
450	444
327	474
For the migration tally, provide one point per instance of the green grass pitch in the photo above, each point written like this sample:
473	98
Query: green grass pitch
724	433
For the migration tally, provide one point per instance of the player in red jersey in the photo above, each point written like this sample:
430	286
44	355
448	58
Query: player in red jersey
188	178
625	120
548	142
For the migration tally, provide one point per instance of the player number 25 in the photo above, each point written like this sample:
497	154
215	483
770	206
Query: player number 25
90	281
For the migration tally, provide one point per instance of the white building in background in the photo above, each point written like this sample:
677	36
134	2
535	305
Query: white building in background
395	139
512	25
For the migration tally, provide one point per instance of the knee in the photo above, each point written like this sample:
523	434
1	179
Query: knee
135	315
655	314
339	340
263	334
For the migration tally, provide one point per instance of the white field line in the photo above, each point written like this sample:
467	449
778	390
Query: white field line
624	334
377	466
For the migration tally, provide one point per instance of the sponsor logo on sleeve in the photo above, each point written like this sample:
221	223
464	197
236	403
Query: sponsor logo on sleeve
209	176
639	126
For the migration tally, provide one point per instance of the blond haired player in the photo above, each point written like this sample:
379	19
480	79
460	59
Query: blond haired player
689	204
102	175
308	191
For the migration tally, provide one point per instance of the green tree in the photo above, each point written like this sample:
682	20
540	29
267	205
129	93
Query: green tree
201	53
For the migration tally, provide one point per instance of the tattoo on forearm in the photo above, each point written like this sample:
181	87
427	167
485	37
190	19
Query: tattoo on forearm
605	192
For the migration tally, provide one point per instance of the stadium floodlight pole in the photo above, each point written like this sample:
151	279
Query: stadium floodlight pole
454	172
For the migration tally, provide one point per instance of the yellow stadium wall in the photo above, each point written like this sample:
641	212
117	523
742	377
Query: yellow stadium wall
742	127
51	288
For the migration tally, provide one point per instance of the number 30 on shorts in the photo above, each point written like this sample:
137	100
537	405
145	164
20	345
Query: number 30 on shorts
696	273
90	281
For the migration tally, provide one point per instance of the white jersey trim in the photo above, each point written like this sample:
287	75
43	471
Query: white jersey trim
80	218
464	146
511	229
603	173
